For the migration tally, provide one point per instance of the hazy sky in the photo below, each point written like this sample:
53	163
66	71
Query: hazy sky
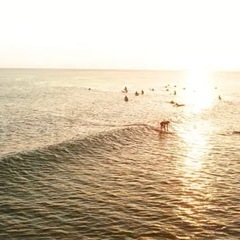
142	34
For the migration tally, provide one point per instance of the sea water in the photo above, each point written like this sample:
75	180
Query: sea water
78	162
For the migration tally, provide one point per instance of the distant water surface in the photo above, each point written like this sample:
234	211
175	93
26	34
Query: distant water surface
78	162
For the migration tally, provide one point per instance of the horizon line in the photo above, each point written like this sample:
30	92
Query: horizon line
116	69
96	69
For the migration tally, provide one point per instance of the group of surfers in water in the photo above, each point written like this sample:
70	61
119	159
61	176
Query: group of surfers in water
163	125
126	91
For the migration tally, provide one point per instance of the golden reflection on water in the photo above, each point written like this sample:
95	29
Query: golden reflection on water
194	184
197	146
194	134
199	90
199	96
191	169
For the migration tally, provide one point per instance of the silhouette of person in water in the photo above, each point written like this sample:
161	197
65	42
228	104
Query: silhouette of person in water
219	97
142	92
136	93
126	99
125	90
164	126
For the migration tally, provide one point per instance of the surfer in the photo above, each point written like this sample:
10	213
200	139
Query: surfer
164	126
179	105
125	90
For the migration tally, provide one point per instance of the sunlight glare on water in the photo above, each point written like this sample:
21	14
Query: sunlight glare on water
191	169
198	148
199	89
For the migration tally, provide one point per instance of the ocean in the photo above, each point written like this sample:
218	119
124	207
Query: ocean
78	162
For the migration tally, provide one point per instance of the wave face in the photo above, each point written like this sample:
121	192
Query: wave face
83	164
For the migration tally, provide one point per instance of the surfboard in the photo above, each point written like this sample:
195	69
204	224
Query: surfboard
157	129
236	132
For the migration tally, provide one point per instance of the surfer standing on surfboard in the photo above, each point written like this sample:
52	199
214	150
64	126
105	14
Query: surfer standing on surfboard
164	126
